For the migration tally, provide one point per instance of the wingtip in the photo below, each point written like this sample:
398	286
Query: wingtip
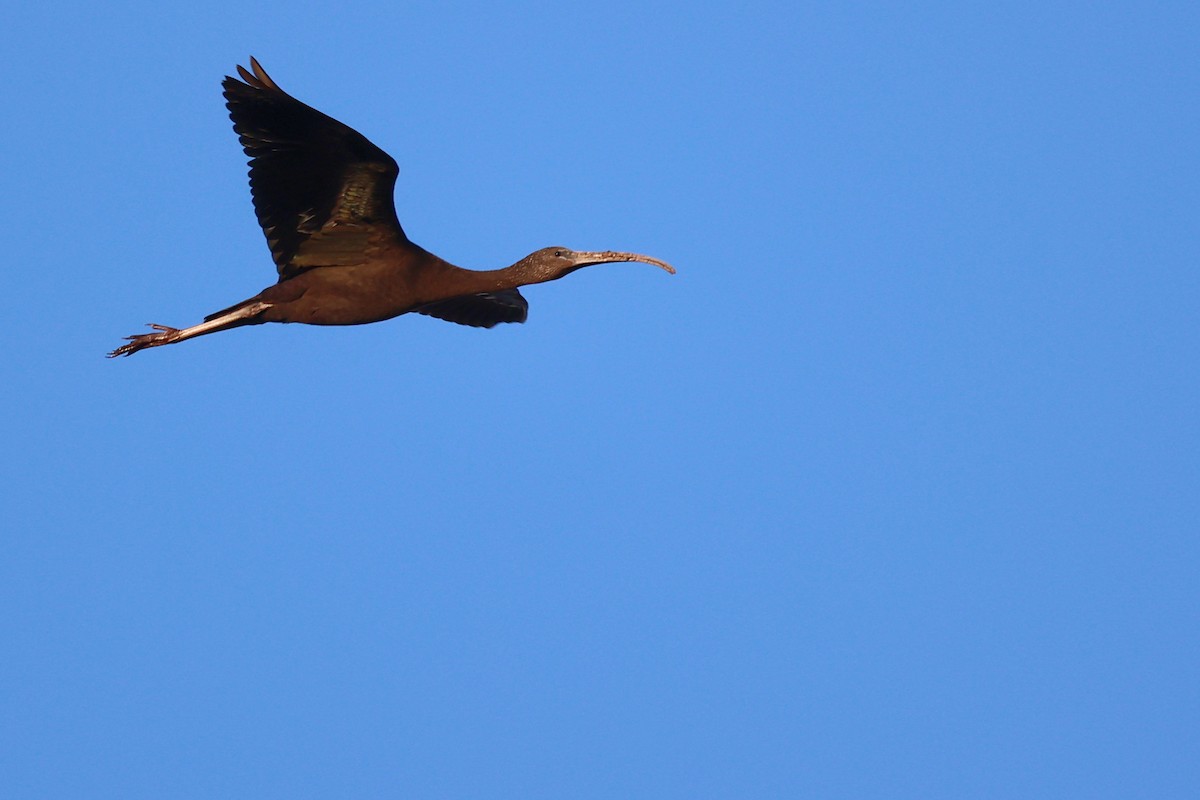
256	76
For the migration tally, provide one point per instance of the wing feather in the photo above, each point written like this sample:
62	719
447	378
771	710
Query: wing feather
322	191
484	310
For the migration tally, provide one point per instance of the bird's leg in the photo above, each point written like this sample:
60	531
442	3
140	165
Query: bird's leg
143	340
241	315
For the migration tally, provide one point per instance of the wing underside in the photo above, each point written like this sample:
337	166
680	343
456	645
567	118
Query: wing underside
483	310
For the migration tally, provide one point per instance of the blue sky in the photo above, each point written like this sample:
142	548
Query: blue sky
891	492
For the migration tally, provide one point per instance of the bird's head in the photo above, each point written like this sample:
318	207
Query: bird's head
550	263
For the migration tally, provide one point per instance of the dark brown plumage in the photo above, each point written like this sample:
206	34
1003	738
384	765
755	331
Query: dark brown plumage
323	196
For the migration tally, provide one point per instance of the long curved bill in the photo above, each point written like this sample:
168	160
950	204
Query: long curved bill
606	256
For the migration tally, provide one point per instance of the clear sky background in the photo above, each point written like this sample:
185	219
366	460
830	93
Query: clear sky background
892	491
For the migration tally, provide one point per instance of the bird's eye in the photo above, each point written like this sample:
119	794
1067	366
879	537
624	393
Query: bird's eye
558	253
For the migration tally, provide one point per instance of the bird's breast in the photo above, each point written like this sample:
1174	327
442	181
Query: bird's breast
344	296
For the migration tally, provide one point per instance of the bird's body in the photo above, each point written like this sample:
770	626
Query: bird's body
323	196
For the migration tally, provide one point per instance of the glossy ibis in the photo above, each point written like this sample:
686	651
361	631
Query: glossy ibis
323	196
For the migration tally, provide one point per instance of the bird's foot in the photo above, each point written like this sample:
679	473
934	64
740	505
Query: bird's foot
140	341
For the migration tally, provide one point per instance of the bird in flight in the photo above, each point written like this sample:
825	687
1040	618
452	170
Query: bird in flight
323	196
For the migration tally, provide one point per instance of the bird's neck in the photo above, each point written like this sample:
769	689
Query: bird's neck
451	281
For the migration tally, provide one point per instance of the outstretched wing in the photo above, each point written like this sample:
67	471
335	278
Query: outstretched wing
322	191
483	310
